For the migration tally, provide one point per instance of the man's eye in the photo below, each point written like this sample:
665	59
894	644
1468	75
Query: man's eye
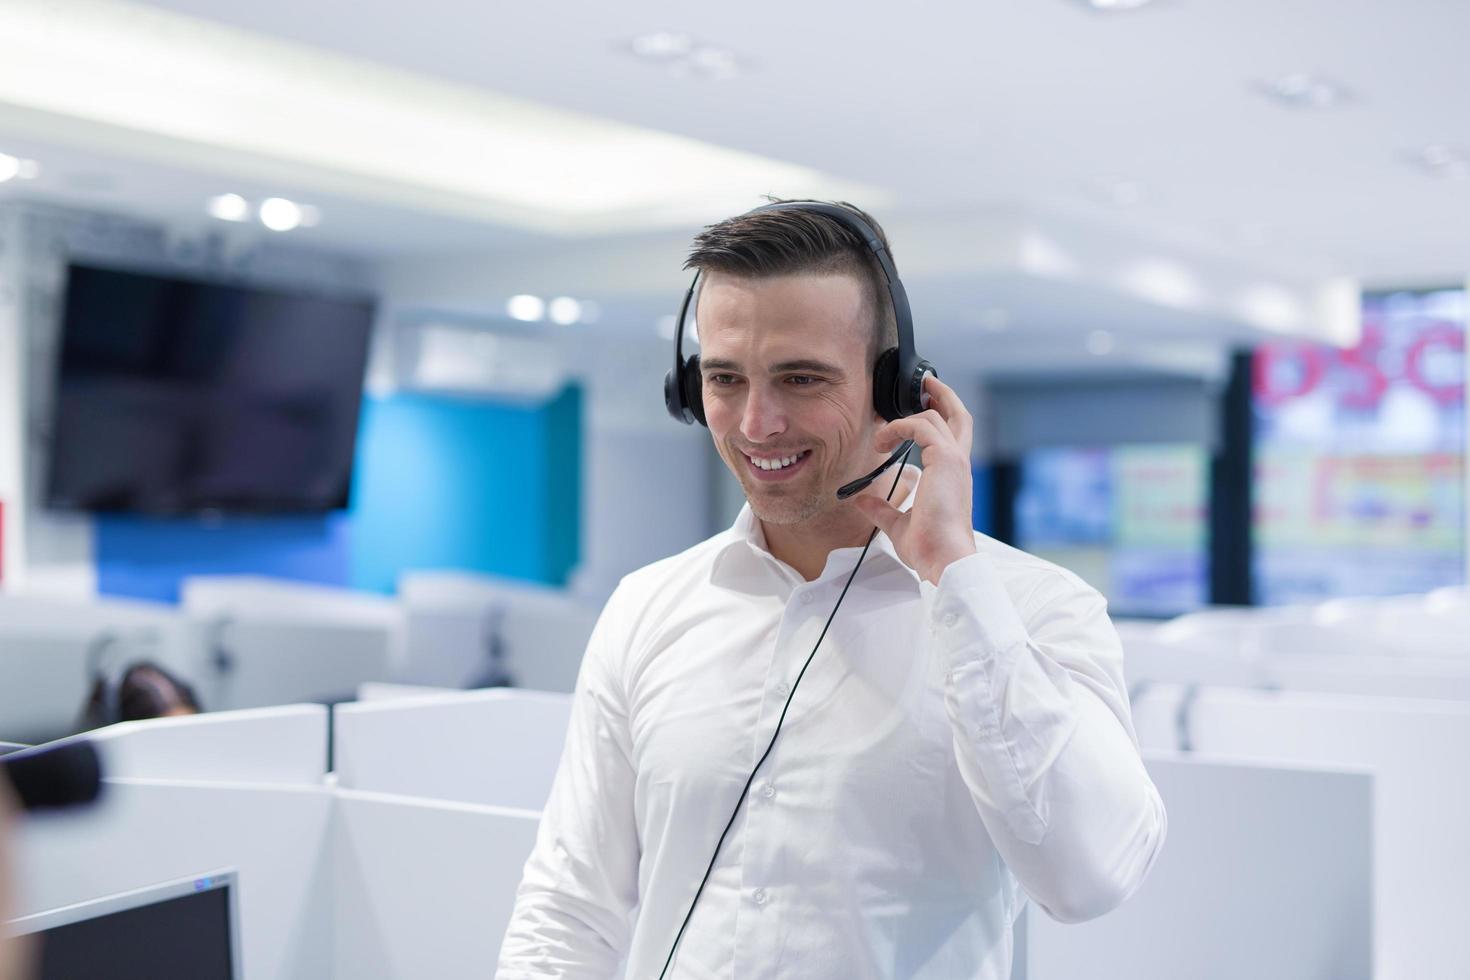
722	379
802	380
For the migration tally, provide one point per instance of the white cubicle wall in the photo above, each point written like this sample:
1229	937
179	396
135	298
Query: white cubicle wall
424	888
1416	751
269	642
457	621
1266	873
438	801
280	746
240	793
51	650
497	747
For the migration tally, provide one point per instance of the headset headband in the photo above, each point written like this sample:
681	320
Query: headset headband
907	369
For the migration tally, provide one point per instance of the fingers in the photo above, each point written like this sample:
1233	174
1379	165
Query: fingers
926	429
882	513
946	401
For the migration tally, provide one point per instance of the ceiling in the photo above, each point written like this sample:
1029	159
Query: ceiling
948	110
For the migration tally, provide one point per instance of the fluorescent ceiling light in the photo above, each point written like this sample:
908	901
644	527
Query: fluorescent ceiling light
228	207
232	101
1109	6
1303	90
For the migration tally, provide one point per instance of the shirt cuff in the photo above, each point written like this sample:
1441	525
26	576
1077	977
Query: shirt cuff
972	616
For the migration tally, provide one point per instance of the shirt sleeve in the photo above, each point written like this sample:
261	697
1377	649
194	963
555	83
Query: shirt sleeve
1044	738
573	908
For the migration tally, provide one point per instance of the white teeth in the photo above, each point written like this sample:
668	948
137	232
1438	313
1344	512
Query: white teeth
775	464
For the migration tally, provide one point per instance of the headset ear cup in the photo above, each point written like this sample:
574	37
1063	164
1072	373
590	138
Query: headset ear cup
673	397
916	399
885	385
694	389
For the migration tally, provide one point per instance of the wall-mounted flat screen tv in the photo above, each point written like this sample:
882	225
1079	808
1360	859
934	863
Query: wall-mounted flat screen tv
181	396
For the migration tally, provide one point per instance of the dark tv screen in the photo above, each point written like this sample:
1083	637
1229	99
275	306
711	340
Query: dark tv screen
179	396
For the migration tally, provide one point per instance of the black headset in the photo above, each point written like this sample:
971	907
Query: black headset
898	374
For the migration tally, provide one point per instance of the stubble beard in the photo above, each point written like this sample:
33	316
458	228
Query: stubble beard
782	507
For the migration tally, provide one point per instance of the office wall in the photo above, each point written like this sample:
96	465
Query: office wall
438	474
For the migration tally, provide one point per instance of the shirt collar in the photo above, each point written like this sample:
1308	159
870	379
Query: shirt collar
746	536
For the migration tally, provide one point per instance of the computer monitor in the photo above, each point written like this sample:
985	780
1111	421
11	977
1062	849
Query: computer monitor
179	930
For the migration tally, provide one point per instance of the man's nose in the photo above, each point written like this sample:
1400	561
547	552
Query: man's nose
764	415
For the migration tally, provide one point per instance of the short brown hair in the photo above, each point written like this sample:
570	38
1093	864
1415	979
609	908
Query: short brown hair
783	243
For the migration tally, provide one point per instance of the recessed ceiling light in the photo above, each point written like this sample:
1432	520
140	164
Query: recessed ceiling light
683	55
1443	160
526	307
564	310
661	45
228	207
13	167
1303	90
714	62
279	214
1100	342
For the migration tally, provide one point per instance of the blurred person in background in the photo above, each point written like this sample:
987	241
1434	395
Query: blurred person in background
143	690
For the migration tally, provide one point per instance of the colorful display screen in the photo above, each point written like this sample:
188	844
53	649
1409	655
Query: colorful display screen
1130	520
1360	456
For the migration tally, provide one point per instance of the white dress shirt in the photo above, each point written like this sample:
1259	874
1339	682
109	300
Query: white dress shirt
949	753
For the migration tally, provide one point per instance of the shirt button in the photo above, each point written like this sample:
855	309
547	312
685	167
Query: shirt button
949	677
782	690
806	598
760	896
767	790
950	619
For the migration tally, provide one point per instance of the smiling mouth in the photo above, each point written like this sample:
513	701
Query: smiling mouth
771	468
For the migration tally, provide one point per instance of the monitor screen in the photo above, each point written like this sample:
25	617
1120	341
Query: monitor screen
1360	455
179	396
181	930
1132	521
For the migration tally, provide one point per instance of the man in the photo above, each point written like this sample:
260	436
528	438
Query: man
959	742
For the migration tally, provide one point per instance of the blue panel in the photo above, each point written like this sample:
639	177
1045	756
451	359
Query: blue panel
454	483
439	483
980	507
145	557
562	445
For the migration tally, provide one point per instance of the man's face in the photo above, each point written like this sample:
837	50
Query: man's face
784	361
